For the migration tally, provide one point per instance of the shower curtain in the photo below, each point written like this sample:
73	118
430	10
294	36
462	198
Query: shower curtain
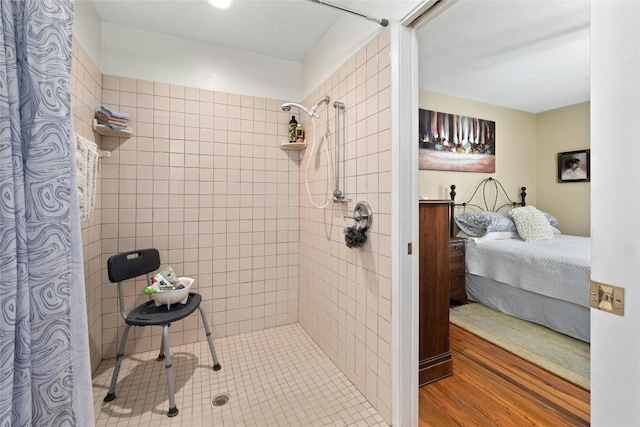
45	377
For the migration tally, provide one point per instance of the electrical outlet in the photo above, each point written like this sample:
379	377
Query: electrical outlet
606	298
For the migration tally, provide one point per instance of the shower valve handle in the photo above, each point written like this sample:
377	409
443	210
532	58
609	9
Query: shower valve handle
357	216
362	213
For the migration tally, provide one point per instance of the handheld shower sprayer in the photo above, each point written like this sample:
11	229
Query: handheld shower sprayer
312	112
287	107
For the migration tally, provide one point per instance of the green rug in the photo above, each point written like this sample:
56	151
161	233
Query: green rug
564	356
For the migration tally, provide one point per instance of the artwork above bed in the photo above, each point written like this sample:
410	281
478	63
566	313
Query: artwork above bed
452	142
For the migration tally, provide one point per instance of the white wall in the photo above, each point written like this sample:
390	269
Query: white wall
615	249
145	55
346	36
87	29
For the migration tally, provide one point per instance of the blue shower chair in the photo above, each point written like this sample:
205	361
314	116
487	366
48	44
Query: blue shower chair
132	264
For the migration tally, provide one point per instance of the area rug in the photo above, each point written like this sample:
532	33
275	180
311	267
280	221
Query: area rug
560	354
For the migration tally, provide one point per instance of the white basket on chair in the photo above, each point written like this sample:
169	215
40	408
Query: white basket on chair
174	296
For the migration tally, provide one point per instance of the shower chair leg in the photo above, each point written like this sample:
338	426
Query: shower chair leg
111	394
216	365
173	410
161	352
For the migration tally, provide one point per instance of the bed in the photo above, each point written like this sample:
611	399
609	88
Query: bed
545	280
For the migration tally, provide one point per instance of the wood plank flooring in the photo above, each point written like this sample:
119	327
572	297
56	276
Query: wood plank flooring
492	387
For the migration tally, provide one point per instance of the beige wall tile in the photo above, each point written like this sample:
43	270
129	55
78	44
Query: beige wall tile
193	159
345	294
86	94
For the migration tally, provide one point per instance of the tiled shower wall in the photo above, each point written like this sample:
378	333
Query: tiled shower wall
345	294
204	181
86	91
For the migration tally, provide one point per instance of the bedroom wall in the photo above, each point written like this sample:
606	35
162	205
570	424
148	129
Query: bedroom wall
515	149
560	130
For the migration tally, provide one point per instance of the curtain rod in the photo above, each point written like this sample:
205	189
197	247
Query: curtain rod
381	21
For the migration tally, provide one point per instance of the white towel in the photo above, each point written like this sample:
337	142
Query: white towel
81	174
87	175
92	177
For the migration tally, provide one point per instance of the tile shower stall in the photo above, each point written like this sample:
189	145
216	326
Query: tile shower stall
203	180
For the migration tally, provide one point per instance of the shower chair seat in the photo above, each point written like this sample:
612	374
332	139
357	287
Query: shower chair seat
132	264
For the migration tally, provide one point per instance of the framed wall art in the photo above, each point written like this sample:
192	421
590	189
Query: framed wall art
452	142
574	166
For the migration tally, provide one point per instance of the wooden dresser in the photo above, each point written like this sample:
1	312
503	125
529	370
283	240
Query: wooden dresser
457	288
434	358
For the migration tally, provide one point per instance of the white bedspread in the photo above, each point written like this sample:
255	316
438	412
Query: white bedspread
558	268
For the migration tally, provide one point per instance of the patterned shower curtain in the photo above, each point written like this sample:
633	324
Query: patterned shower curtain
45	377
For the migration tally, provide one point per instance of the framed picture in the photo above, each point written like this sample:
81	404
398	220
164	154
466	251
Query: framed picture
574	166
450	142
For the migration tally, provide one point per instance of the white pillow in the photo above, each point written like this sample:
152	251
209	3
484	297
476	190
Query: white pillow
531	224
493	235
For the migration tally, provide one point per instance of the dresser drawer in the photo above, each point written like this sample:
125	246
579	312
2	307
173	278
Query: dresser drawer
457	245
456	256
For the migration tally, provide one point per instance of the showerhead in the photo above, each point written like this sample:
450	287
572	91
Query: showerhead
312	113
287	107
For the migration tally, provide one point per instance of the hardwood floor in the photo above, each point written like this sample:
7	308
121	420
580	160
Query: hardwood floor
492	387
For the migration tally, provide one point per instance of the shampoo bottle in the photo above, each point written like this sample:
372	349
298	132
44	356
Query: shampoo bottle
293	124
299	133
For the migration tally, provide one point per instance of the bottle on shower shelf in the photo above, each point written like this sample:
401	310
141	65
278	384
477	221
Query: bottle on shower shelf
293	124
299	133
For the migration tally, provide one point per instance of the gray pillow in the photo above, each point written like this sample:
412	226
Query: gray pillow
552	219
478	223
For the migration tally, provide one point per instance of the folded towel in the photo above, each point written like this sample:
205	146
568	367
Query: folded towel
111	125
116	114
102	116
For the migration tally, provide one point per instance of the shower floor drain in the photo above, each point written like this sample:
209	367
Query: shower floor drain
220	399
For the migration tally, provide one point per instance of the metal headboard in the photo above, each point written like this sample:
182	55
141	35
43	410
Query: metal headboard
496	189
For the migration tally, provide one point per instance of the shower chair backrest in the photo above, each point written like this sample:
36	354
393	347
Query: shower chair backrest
127	265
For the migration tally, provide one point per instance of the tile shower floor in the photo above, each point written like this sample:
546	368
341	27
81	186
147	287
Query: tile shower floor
274	377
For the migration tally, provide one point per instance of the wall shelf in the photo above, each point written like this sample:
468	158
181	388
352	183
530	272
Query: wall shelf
296	146
106	131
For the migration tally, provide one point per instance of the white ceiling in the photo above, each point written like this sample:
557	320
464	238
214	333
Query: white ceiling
528	55
284	29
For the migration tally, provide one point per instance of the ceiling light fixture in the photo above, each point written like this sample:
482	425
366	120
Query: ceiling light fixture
221	4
